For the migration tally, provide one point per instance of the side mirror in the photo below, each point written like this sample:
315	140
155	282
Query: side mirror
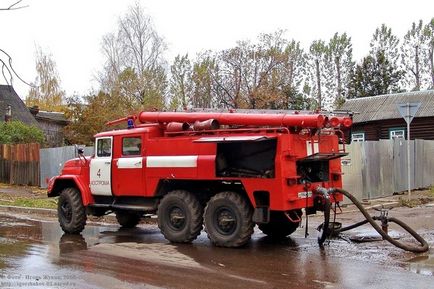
80	150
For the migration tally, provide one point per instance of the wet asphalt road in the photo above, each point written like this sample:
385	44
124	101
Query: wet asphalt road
35	254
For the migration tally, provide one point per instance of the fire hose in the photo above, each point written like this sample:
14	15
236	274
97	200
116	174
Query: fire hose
325	230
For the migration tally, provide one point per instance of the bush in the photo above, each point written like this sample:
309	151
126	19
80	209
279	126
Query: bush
14	132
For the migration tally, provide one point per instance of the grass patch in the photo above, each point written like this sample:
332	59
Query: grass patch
47	203
431	191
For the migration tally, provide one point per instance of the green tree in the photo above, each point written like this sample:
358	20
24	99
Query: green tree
203	94
180	82
428	33
340	57
317	65
413	53
384	41
45	91
375	76
14	132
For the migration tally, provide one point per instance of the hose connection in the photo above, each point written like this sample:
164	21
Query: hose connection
384	218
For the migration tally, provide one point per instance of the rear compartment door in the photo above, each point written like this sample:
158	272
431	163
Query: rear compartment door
100	167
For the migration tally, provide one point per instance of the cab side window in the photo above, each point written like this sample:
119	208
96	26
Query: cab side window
104	147
131	146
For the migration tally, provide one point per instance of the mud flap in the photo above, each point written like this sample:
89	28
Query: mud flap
261	215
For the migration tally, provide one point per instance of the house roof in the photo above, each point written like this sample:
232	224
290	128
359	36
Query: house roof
8	96
58	117
385	106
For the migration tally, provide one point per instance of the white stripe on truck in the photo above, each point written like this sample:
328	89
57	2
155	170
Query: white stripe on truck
171	162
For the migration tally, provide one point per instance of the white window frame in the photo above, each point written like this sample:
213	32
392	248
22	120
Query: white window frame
358	137
397	133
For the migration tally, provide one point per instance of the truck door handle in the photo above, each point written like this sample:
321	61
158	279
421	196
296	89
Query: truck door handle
107	163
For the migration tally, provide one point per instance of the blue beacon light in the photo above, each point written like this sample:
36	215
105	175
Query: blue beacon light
130	123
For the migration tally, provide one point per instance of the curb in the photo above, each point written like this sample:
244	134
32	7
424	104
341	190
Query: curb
52	213
31	211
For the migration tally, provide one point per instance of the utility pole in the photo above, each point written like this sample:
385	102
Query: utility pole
408	111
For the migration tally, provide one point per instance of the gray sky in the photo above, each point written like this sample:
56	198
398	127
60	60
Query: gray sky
72	30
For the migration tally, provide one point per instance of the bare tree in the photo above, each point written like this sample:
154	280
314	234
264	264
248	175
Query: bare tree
7	67
14	6
142	46
134	59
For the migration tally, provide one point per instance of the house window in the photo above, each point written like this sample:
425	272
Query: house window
397	133
358	136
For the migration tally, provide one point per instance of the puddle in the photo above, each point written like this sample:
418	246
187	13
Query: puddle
109	257
423	265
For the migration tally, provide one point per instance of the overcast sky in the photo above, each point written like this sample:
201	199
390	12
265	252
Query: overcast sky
72	30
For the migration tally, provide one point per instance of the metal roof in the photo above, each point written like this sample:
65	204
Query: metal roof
52	116
385	106
8	96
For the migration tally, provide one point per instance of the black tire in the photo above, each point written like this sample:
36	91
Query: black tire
228	220
71	212
279	225
127	219
180	216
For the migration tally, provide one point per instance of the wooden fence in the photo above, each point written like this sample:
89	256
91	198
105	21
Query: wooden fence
19	164
375	169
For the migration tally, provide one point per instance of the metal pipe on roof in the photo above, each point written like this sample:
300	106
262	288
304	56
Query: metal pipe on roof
284	120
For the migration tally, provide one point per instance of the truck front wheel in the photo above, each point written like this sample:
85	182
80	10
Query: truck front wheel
180	216
228	220
71	212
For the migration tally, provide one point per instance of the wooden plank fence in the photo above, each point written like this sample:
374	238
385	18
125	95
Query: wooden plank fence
375	169
19	164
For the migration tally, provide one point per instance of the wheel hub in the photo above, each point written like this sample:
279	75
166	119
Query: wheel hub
67	211
225	221
177	218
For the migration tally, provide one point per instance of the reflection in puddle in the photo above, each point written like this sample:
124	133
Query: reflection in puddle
423	265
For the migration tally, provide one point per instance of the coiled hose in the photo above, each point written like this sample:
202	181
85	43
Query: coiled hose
371	220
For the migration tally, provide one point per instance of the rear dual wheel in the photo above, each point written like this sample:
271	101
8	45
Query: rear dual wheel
279	226
228	220
180	216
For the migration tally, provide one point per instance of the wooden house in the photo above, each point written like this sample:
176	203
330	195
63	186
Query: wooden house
378	117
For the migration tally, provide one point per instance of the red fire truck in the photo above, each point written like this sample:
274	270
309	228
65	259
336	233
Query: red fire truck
224	171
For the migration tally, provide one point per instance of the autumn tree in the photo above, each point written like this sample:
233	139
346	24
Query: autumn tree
89	114
46	91
267	73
